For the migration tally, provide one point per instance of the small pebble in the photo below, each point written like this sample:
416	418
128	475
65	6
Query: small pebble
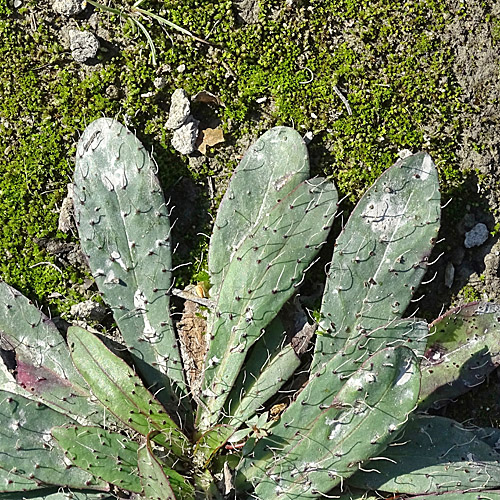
66	212
83	44
159	82
184	138
449	275
476	236
180	109
69	7
112	92
88	310
404	153
308	137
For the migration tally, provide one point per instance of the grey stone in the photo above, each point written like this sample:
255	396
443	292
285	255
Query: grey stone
492	261
449	274
247	11
184	138
308	137
196	162
113	92
78	259
476	236
159	82
180	109
69	7
83	44
57	247
404	153
88	310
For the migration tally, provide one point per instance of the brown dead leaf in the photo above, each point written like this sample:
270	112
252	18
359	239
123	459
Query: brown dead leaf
191	329
206	97
209	137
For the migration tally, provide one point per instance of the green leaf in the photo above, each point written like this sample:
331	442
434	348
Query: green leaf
57	494
275	257
433	454
12	482
210	442
381	255
108	456
463	349
272	167
302	458
267	368
462	495
28	450
155	483
158	480
43	367
328	380
124	228
117	387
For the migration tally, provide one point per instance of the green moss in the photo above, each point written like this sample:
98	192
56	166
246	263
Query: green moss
495	29
386	57
470	294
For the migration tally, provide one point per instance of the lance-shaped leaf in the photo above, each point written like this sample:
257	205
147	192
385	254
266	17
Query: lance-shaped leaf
348	493
57	494
160	482
154	481
329	380
28	450
39	364
274	258
433	454
463	349
124	227
116	386
271	168
268	367
353	427
12	482
462	495
108	456
490	435
381	255
210	442
266	384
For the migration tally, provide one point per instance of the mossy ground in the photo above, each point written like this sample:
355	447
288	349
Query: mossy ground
395	62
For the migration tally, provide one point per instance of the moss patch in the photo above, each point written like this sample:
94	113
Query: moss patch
390	60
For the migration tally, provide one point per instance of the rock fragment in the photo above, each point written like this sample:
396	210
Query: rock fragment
88	310
404	153
69	7
184	138
180	109
476	236
247	11
159	82
83	44
180	120
449	275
